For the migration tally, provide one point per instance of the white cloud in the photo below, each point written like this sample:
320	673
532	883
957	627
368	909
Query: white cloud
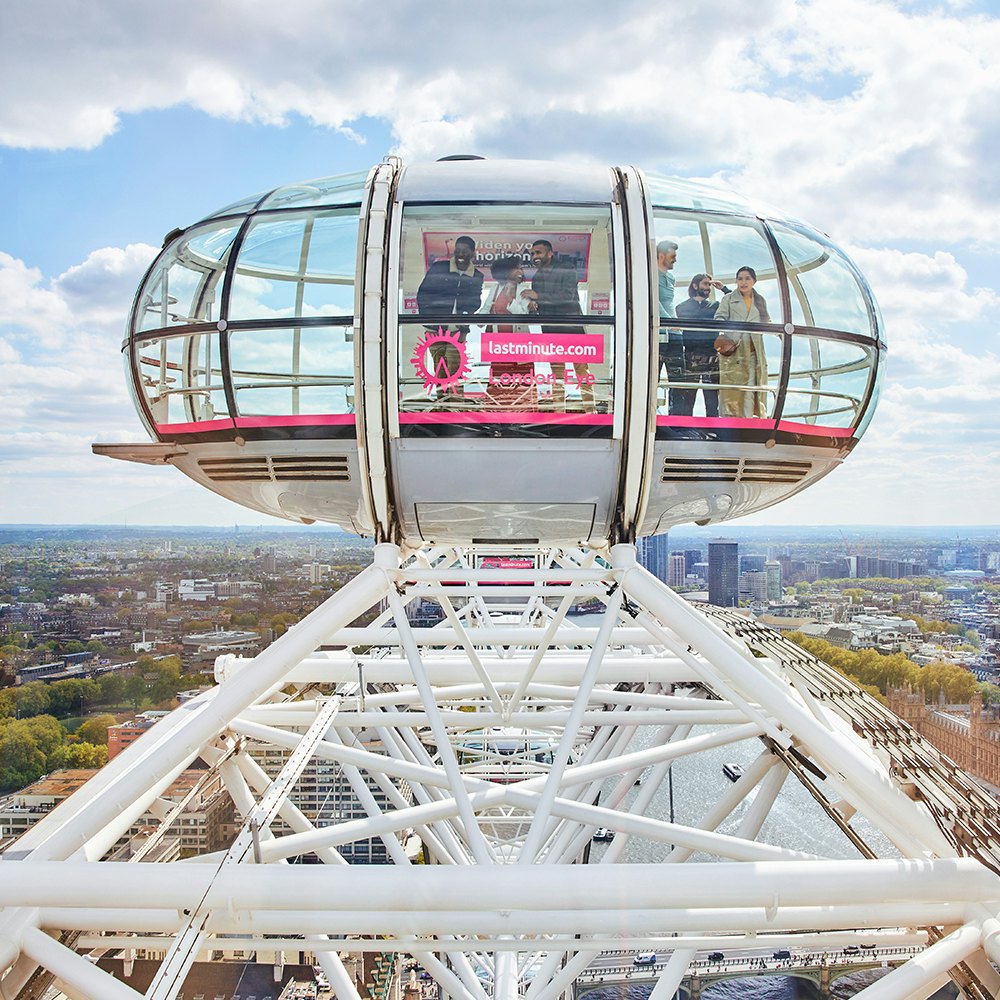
97	289
874	119
60	344
24	303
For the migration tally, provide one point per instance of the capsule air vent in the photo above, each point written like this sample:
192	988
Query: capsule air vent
263	468
732	470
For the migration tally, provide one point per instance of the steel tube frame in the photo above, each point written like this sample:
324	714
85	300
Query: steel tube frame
507	887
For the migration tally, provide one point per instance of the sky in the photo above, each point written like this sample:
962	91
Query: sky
877	122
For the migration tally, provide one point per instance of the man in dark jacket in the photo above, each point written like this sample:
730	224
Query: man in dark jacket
554	293
701	362
450	287
453	285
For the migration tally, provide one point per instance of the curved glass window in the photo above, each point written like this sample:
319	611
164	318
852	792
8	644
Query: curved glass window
699	302
718	248
828	381
678	192
292	371
288	310
181	378
697	381
183	286
342	189
296	265
544	275
824	290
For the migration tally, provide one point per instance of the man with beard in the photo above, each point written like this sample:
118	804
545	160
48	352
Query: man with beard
554	292
701	361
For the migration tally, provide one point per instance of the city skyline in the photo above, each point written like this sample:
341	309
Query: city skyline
111	135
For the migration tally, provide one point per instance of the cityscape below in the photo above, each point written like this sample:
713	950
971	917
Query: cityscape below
104	630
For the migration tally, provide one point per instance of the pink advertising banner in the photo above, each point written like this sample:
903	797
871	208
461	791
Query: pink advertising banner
545	347
507	562
496	246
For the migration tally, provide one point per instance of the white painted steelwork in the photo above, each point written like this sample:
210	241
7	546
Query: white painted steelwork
515	899
319	353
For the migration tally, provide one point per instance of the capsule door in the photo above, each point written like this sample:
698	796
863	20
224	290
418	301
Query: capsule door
505	373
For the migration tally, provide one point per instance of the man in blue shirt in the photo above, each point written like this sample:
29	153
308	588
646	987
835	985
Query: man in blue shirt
671	353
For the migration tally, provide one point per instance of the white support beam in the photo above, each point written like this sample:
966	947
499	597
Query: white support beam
81	979
924	969
673	972
499	887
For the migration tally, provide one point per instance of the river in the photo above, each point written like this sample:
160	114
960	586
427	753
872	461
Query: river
796	821
767	988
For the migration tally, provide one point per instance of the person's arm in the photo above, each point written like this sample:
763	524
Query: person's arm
470	293
519	304
429	292
487	305
569	291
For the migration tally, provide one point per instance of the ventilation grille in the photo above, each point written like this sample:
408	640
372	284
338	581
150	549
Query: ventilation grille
265	469
732	470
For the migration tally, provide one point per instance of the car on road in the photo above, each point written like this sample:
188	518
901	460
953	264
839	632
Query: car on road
716	956
782	953
645	958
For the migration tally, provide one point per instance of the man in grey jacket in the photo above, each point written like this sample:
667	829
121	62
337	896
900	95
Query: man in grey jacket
554	293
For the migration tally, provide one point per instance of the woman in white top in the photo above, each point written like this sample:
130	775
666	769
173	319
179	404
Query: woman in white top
741	353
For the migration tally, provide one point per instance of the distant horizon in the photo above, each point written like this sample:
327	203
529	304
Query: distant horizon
720	528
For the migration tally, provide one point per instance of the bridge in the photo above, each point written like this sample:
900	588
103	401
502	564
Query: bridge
822	969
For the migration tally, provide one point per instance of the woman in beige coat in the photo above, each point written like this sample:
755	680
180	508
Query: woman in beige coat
741	353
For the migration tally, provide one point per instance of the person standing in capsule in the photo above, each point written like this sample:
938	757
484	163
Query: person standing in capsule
554	291
742	364
453	286
701	362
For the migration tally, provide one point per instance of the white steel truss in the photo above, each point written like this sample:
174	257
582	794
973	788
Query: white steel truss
484	753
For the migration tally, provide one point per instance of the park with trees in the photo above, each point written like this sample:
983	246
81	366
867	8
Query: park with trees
44	727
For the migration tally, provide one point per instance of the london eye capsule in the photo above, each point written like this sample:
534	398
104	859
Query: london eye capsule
502	352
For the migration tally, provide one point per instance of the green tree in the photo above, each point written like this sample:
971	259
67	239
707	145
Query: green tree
69	696
78	755
135	689
960	686
112	687
164	687
95	730
25	748
22	761
881	673
990	693
31	699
